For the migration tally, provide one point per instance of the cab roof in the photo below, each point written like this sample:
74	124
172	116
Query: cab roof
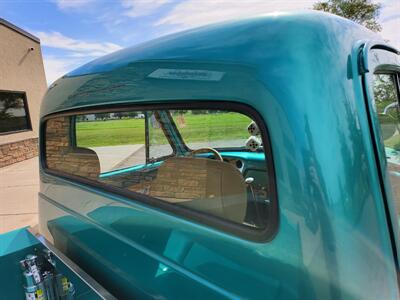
258	58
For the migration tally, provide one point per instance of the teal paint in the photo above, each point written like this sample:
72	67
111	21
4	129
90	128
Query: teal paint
130	169
16	240
301	73
14	246
247	157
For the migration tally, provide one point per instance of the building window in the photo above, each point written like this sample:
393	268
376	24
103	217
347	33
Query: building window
13	112
207	161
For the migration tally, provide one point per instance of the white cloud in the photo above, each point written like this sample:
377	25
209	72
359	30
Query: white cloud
55	66
136	8
192	13
390	21
390	31
72	4
57	40
73	53
186	14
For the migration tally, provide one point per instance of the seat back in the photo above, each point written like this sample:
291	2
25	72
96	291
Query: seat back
203	184
82	162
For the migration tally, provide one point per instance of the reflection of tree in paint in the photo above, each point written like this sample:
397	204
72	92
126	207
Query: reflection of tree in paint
9	104
12	112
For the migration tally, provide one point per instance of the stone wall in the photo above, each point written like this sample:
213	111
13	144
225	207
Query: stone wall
18	151
183	179
62	156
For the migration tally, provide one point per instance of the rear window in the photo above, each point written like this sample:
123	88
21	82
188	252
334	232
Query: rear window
224	129
207	164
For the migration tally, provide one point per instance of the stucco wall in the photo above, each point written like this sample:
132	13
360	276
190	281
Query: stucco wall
21	69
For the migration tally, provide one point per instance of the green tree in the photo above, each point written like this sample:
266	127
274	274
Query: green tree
363	12
102	116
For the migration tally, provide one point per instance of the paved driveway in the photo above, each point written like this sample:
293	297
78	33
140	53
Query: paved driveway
19	186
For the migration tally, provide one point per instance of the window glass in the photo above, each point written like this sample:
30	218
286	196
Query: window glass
208	161
13	114
117	138
212	128
387	106
159	145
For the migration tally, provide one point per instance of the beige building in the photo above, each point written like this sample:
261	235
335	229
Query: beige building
22	86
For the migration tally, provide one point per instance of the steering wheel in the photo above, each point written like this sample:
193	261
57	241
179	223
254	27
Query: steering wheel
206	150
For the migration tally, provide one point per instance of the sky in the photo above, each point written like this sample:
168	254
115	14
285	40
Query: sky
74	32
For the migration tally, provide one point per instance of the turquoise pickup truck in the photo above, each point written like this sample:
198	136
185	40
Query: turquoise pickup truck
255	159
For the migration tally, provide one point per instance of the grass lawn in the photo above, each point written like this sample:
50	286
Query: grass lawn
196	128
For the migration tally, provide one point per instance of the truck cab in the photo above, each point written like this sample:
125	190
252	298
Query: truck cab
255	159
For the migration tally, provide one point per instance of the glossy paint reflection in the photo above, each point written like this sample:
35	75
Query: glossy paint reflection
300	72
